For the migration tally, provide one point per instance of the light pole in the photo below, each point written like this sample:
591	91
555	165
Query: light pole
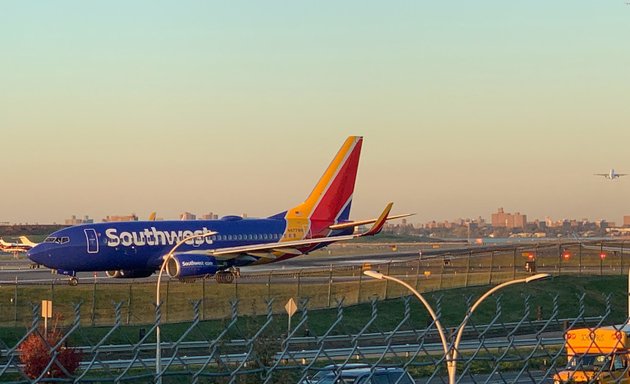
438	325
450	353
158	349
462	325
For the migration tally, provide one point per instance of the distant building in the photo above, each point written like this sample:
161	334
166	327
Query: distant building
188	216
73	220
626	221
209	216
501	219
131	217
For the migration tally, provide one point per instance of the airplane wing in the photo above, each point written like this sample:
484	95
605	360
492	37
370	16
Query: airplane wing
601	174
266	250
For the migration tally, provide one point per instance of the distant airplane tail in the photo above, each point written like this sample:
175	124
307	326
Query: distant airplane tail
26	241
4	243
330	200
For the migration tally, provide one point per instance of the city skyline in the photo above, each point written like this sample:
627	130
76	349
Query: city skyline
113	108
499	218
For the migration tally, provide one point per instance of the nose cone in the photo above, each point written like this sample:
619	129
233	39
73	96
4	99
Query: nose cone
38	254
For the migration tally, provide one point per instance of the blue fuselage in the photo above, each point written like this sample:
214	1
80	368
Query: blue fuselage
142	245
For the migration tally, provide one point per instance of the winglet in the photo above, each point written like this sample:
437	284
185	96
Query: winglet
152	216
380	222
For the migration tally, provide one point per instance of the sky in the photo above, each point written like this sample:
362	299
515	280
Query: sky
112	107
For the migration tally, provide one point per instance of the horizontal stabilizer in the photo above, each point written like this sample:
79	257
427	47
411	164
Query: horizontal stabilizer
352	224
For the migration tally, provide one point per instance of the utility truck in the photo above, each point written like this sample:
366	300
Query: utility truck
596	355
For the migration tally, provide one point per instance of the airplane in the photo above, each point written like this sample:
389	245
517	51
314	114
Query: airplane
611	175
27	242
138	249
15	248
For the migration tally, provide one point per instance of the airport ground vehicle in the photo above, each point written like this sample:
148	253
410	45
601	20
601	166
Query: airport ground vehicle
360	374
596	355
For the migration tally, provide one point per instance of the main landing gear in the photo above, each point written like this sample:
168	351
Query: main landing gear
73	281
227	276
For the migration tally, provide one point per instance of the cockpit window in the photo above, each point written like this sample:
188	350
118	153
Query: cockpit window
57	240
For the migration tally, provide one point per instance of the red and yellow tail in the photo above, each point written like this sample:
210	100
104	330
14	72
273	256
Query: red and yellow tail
330	200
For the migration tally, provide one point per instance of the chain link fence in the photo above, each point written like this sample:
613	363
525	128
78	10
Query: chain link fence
239	333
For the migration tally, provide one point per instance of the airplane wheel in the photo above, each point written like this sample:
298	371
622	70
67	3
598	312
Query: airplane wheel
73	281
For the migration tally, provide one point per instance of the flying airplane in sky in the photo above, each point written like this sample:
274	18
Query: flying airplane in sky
611	175
138	249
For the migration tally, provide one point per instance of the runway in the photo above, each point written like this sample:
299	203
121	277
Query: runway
21	270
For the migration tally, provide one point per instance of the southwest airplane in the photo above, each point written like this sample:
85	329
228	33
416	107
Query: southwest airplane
139	248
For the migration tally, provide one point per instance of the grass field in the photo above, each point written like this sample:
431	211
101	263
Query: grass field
451	304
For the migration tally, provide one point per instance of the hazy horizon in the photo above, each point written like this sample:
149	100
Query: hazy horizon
114	107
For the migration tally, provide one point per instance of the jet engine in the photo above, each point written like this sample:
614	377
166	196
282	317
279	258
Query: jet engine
183	266
129	274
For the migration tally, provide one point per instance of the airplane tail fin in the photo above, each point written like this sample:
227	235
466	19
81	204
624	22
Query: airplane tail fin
2	242
25	240
330	200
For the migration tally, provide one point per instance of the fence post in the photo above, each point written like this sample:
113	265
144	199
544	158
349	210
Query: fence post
203	298
621	257
269	285
360	284
601	260
514	265
166	302
15	302
129	305
93	314
580	259
299	277
468	268
52	289
559	259
418	271
387	281
491	268
330	279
